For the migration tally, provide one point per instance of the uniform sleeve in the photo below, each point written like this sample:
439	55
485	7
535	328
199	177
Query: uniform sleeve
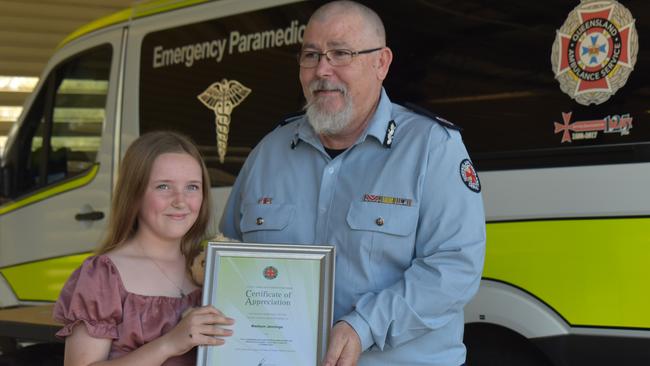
448	260
229	225
230	220
91	296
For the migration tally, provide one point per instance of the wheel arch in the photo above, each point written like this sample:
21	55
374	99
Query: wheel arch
513	308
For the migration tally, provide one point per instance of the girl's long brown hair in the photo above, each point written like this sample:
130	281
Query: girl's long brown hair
133	178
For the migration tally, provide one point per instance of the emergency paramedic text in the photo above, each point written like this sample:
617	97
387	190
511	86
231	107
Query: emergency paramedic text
235	42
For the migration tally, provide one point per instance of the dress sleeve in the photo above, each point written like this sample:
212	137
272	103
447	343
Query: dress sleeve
92	296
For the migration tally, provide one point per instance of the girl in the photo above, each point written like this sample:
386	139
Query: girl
124	305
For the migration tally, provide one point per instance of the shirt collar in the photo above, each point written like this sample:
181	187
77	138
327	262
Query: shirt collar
377	126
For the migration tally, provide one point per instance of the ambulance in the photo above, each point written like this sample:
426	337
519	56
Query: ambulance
553	98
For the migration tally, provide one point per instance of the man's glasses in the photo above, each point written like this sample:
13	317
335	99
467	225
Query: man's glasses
337	57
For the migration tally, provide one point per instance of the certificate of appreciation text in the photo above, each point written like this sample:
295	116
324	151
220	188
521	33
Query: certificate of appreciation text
277	300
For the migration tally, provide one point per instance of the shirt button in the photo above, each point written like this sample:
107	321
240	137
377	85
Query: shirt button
379	221
259	221
330	170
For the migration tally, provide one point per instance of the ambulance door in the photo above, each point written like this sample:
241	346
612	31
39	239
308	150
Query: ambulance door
57	171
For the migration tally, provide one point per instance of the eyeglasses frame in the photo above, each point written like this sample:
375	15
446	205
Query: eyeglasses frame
329	60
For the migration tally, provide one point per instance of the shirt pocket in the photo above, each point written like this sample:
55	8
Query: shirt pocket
266	223
382	238
382	218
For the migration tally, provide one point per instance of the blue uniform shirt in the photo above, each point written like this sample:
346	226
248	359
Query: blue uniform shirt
403	209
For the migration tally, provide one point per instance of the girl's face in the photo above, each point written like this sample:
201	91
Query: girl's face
172	198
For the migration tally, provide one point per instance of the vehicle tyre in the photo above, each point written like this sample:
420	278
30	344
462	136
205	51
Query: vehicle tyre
492	345
41	354
7	345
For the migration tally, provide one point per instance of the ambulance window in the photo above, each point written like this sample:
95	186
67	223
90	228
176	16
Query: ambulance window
484	66
61	133
224	82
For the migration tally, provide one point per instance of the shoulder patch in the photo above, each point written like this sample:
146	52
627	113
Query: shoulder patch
425	112
291	117
469	176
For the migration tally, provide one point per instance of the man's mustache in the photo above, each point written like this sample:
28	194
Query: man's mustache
326	85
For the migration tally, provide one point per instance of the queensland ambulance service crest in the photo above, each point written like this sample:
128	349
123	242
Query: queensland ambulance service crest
595	51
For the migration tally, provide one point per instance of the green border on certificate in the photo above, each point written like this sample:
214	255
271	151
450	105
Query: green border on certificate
280	297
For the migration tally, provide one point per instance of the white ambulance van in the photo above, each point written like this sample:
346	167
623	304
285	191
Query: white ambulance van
553	98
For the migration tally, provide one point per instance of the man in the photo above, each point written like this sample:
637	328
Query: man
393	190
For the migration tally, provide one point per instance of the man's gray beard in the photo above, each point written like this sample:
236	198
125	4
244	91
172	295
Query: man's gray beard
329	123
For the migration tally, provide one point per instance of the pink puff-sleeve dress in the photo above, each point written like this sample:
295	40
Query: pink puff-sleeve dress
95	296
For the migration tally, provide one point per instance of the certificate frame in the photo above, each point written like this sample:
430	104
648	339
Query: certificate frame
220	256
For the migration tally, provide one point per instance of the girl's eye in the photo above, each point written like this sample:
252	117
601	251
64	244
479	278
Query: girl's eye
163	187
193	187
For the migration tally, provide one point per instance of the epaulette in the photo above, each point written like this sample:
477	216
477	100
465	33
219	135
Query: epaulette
425	112
291	117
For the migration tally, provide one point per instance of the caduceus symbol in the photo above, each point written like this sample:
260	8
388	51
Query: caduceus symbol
222	97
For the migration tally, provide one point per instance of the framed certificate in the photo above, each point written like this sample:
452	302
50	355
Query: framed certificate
281	297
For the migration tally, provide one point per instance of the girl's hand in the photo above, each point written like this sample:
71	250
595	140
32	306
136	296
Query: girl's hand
200	326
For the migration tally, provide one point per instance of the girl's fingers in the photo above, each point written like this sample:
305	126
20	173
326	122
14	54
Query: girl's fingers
213	330
211	318
209	335
206	340
209	309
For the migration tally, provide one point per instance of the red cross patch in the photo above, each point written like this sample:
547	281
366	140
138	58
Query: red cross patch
469	176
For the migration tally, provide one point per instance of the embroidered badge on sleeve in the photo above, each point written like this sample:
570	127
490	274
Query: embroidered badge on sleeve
469	176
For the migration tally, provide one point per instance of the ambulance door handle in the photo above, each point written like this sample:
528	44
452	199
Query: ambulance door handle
89	216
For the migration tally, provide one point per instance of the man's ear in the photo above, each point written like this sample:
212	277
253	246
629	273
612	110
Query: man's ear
383	62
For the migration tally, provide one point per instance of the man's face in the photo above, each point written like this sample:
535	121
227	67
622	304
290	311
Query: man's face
339	95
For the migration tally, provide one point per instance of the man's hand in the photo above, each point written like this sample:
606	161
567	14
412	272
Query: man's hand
344	347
